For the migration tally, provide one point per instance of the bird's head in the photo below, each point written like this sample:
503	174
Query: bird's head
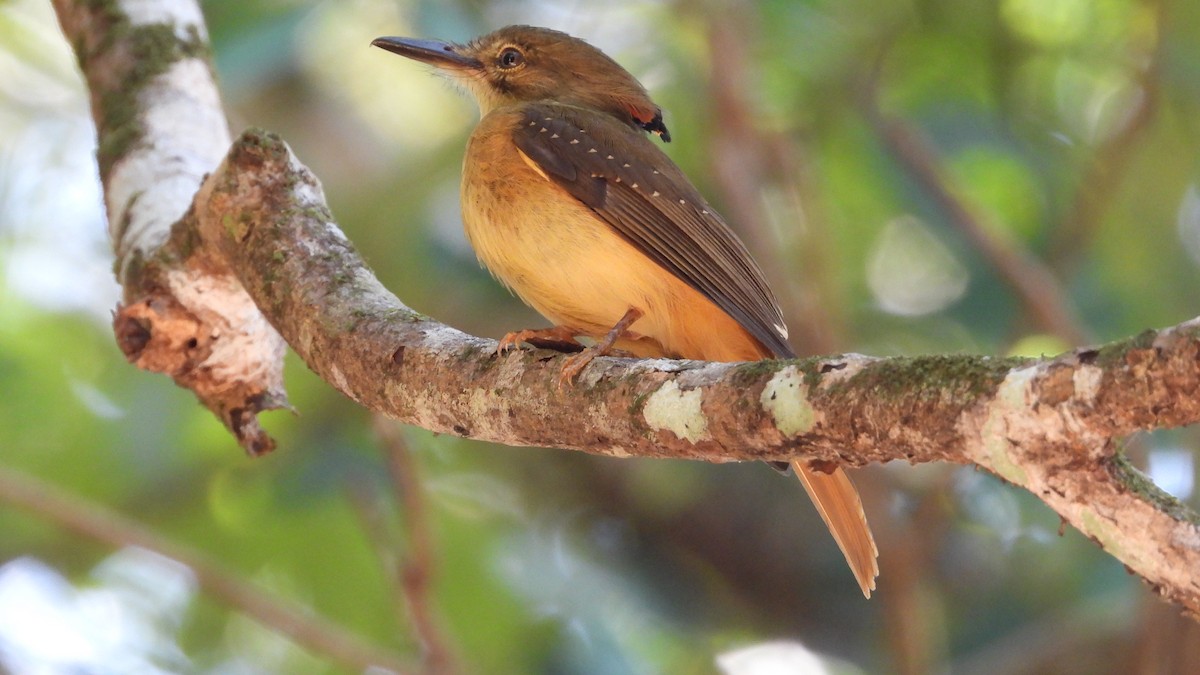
518	64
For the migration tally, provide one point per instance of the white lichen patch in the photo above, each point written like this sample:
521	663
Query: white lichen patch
1103	531
484	410
1087	383
309	190
182	15
1185	536
677	411
186	136
1011	402
785	396
423	406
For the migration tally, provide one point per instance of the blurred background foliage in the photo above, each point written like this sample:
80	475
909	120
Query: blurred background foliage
903	170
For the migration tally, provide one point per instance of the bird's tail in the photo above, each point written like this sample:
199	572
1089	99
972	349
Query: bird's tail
838	502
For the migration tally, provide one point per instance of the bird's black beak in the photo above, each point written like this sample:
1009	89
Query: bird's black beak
433	52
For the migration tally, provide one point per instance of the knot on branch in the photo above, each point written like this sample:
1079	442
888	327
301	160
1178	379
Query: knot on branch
160	335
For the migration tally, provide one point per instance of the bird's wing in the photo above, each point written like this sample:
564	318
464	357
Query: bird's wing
619	173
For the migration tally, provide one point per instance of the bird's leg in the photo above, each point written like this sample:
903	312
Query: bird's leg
558	338
578	362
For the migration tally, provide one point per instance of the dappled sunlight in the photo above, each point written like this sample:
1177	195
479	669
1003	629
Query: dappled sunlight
477	496
609	620
1049	22
53	250
911	272
1173	469
780	658
1094	103
400	103
1188	223
122	620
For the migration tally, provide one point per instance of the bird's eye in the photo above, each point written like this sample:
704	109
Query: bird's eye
511	57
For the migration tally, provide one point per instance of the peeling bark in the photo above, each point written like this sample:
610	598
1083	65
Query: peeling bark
161	129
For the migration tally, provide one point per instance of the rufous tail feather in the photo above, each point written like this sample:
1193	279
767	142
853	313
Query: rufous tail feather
838	502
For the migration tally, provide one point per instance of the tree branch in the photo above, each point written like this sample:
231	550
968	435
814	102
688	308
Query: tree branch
161	129
1112	158
298	623
1045	424
260	223
1031	281
416	571
745	168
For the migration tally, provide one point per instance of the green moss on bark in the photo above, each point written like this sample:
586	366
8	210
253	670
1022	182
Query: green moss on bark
147	51
955	376
1140	484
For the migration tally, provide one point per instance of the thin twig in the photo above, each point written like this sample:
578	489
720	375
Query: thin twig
368	503
910	540
416	572
744	167
1030	280
299	623
809	243
1108	165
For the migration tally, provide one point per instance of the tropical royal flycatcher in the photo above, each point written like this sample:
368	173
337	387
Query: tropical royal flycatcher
570	204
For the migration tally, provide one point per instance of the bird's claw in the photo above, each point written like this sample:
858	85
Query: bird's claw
558	338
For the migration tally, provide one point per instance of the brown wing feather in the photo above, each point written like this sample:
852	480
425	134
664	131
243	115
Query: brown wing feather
618	172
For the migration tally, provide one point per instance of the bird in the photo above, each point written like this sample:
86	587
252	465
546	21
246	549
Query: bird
568	202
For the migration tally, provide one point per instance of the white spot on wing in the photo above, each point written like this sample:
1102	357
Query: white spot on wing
782	330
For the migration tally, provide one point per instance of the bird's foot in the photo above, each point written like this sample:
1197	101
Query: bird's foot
558	338
577	362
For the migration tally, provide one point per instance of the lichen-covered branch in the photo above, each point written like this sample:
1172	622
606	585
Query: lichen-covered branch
1050	425
259	238
161	128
